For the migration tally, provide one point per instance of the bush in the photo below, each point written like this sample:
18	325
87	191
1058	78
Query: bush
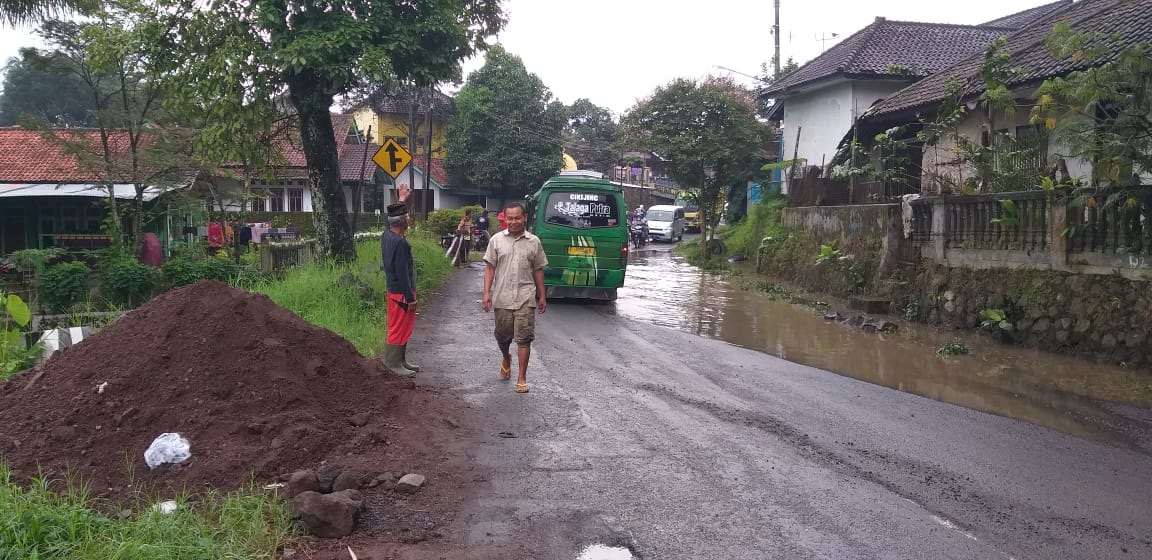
443	222
214	269
180	271
127	281
64	285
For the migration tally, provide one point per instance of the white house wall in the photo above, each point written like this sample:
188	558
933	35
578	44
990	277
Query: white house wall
939	162
866	93
823	116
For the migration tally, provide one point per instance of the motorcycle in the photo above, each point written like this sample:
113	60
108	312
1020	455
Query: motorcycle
639	235
480	239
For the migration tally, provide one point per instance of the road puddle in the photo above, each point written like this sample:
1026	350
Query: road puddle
1060	392
604	552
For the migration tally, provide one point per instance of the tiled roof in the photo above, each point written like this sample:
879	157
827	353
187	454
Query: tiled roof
396	99
1019	20
26	156
439	173
295	164
1127	20
891	49
357	158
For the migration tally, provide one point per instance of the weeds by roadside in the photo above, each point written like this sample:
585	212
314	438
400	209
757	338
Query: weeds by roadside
59	519
349	299
954	349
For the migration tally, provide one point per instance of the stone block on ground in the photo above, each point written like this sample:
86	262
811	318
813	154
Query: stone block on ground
328	516
326	476
347	480
410	483
300	482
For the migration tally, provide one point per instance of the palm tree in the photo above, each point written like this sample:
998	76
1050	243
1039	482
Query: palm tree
19	12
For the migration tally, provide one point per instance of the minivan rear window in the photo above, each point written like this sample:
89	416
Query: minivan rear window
582	210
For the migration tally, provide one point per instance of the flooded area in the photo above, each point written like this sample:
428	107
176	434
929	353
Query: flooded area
1061	392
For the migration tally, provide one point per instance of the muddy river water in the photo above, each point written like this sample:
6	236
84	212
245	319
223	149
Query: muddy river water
1064	393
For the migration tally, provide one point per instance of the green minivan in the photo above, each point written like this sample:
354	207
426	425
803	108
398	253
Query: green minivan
581	221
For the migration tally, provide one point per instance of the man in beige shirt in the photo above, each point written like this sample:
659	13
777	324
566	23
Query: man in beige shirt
514	287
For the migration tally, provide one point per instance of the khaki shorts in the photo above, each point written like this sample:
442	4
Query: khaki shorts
516	325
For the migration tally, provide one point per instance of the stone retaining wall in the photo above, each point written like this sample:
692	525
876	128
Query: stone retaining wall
1098	316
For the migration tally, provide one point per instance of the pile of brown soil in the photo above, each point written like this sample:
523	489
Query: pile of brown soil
256	389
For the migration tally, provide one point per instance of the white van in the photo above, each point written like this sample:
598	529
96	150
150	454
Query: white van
665	222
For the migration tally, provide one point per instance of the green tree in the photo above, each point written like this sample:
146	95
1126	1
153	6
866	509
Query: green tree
507	132
1103	113
314	52
17	12
590	136
130	144
31	91
709	131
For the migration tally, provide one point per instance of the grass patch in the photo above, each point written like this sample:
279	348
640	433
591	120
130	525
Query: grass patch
692	252
349	299
763	220
60	520
954	349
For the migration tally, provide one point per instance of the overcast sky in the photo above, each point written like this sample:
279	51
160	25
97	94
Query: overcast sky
615	51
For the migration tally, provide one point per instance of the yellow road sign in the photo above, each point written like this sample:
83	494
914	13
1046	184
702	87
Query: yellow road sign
392	158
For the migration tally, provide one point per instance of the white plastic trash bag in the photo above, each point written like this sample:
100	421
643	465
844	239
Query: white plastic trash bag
168	449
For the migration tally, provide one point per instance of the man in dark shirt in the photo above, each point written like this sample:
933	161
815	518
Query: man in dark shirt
400	274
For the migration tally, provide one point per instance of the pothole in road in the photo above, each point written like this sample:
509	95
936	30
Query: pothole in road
605	552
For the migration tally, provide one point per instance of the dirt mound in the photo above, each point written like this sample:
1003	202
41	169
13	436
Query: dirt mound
255	388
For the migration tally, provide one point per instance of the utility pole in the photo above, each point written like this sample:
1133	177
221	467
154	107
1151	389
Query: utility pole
776	35
428	150
413	94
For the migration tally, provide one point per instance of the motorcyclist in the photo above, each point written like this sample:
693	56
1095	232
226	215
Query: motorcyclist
481	226
642	219
636	219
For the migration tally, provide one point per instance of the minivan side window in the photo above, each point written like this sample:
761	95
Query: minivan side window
582	210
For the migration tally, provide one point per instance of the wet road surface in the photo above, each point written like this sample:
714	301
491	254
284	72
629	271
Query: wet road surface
641	433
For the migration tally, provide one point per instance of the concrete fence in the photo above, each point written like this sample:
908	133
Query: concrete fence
1107	233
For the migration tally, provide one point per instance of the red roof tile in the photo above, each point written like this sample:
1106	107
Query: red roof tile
439	174
296	163
26	156
357	158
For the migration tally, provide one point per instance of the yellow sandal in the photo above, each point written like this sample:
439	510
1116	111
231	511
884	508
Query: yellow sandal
505	372
521	387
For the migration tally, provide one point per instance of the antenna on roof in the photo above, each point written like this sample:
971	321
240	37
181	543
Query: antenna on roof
824	39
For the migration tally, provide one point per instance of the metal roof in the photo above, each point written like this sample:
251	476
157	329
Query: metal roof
122	191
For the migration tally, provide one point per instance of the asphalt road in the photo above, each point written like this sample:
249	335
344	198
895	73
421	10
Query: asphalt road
678	446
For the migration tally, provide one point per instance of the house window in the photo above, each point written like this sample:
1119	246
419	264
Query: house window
295	200
70	219
402	140
47	226
259	199
93	216
275	200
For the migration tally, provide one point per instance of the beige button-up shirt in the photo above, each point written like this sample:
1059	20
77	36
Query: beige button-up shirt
515	259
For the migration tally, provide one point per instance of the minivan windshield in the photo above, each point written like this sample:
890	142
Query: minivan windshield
582	210
659	216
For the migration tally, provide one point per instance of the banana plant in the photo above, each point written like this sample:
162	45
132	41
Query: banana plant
14	316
